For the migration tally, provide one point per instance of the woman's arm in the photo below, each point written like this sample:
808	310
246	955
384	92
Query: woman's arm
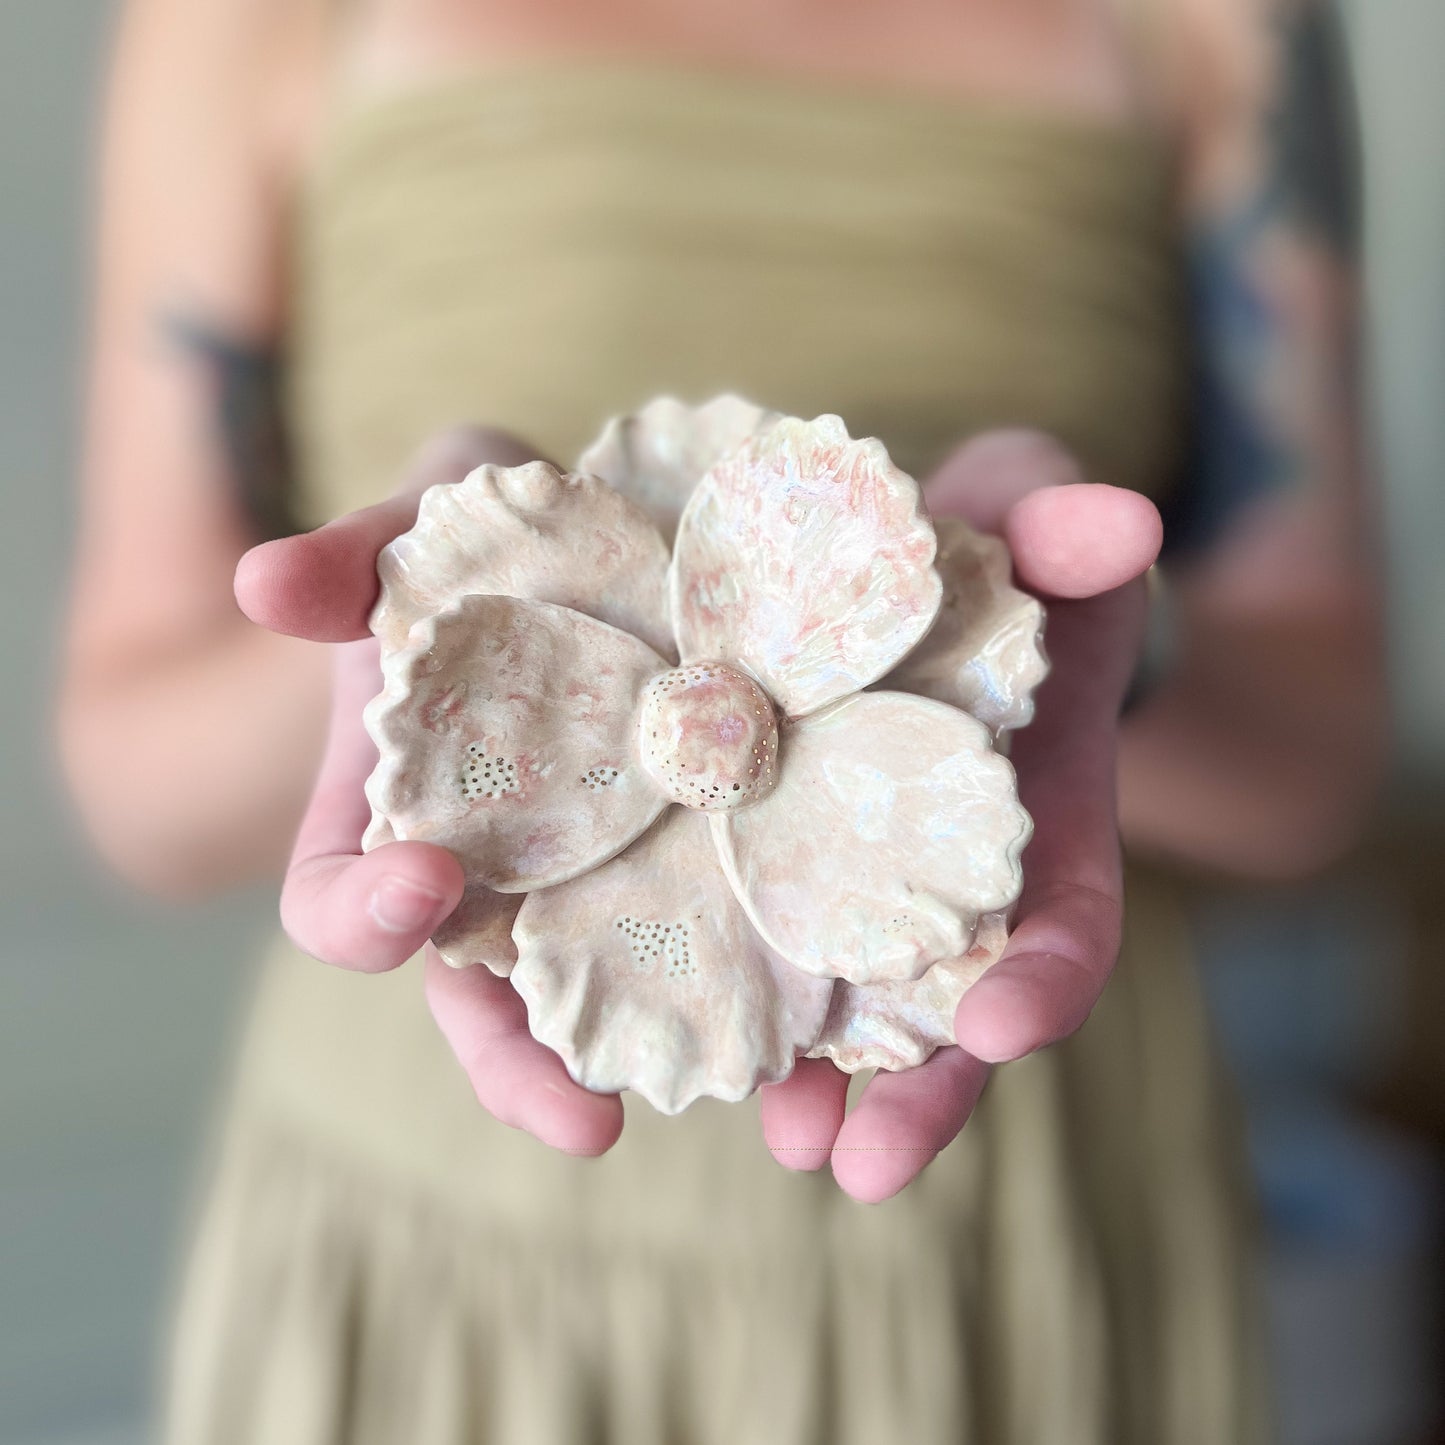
1262	752
189	736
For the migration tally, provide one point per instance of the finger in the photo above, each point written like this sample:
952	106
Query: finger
367	913
1065	939
1069	538
370	913
902	1122
1079	541
1048	980
517	1080
322	585
337	814
982	479
801	1115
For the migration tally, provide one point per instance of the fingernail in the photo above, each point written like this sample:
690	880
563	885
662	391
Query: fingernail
400	906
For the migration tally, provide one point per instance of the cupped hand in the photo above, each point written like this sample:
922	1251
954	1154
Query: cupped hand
371	912
1084	549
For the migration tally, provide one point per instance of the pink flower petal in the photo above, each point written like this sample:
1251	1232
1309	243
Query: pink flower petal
480	931
647	975
898	1025
658	455
985	652
894	826
532	532
507	734
807	557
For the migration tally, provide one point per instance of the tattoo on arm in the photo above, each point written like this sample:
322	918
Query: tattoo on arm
1306	191
250	420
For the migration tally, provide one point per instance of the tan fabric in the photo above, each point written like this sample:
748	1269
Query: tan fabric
542	248
378	1260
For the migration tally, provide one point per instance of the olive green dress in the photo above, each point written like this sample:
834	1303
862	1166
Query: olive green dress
378	1261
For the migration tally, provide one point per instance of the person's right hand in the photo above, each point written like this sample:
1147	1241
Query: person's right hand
371	912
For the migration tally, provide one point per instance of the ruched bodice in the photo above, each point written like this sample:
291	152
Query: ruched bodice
540	249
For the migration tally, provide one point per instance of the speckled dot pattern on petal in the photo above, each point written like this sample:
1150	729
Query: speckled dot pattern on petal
548	698
646	975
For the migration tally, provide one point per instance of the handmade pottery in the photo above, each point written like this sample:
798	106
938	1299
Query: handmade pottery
721	803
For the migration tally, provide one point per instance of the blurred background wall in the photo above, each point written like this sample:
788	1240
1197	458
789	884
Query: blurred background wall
115	1014
1397	45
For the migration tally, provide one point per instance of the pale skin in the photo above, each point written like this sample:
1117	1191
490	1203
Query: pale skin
214	106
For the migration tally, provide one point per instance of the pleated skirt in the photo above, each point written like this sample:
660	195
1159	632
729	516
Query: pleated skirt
374	1260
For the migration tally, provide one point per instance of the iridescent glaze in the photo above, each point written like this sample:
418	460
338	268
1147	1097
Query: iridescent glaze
860	849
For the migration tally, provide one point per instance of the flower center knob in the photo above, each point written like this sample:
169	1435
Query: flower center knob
709	736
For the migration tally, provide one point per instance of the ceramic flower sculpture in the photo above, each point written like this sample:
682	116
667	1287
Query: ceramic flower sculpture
712	725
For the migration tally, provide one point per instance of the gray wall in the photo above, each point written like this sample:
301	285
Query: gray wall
114	1014
1397	49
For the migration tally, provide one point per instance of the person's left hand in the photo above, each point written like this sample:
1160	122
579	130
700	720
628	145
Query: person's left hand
1084	549
1083	546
